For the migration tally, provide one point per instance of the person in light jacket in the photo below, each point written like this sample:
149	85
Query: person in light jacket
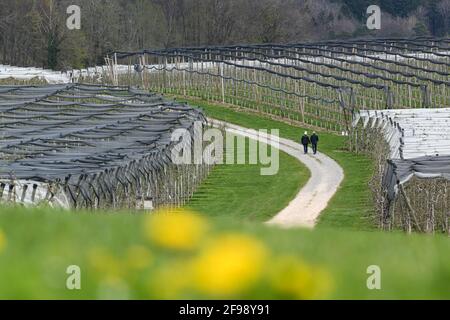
305	142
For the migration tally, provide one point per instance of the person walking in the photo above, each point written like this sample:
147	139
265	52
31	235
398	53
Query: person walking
314	142
305	142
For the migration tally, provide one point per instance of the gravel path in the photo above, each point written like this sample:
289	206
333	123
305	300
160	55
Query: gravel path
326	177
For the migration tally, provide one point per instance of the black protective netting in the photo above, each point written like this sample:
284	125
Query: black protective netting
93	146
316	84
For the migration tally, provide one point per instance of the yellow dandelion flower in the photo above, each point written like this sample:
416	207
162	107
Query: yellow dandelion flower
298	280
2	240
176	229
138	257
229	265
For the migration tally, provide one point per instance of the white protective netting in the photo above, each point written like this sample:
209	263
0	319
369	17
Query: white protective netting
412	133
29	73
418	139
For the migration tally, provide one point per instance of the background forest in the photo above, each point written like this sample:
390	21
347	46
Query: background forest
33	32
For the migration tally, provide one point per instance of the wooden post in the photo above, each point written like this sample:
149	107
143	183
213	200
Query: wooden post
222	81
116	76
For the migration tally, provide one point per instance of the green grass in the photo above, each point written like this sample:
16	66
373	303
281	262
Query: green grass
352	205
42	243
240	191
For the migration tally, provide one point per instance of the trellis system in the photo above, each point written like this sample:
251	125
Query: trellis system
88	146
315	84
326	85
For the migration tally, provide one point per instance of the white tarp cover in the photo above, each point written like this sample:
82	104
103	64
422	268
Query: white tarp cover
419	141
26	74
31	193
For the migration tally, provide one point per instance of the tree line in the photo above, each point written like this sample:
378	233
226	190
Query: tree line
34	32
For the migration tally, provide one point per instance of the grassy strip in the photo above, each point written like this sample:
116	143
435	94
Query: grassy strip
119	260
240	191
352	206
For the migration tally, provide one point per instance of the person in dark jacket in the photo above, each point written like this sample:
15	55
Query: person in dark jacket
305	142
314	141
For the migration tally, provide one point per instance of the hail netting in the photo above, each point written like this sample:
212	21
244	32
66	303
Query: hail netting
87	146
412	152
318	84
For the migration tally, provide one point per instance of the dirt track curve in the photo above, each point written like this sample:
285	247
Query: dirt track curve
326	177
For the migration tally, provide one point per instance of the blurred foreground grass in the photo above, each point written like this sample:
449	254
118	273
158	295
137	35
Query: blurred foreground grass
184	255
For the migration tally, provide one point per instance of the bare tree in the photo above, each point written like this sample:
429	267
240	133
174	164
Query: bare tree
444	8
33	32
171	12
